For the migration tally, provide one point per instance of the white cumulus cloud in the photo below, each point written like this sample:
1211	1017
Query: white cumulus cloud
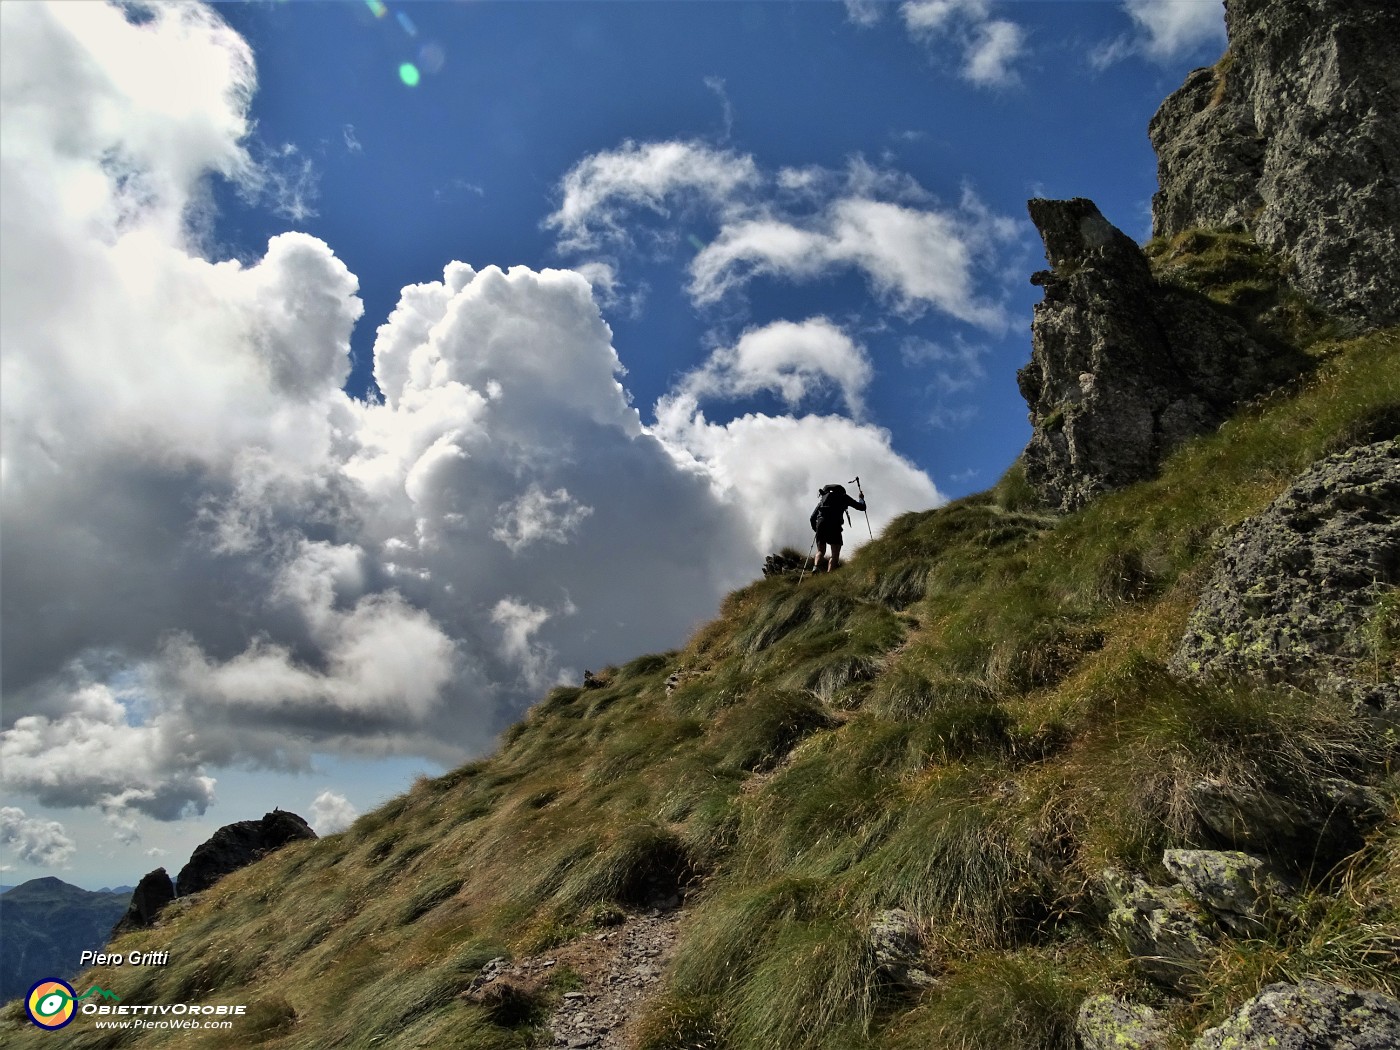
35	841
793	360
915	257
332	812
232	563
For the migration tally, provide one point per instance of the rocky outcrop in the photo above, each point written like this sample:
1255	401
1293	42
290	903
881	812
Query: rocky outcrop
1295	136
1109	1023
1309	1016
1315	824
152	894
897	945
235	846
1123	368
784	563
1294	594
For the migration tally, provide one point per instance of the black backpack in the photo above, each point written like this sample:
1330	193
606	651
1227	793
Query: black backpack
830	507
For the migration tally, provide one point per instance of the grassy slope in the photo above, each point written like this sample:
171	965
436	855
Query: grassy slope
969	721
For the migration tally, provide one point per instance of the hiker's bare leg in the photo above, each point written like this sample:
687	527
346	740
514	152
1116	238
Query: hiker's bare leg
821	553
835	557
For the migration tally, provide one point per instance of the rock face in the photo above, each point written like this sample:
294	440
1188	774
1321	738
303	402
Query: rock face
235	846
1295	136
1316	824
1309	1016
1295	592
1123	369
152	894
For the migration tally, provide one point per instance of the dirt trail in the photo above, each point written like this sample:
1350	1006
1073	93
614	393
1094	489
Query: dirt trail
619	970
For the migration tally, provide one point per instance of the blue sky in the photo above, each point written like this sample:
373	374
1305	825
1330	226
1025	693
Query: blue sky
343	416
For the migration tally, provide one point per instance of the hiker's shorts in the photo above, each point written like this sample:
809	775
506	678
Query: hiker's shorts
829	534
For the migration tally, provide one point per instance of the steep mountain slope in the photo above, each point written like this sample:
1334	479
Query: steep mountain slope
969	723
1012	778
47	925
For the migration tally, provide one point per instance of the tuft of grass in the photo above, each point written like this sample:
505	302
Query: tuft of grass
643	863
1381	637
1147	736
813	986
958	854
1232	270
677	1022
756	735
995	1002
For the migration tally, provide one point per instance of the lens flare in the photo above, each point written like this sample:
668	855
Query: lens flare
406	23
377	7
431	57
409	74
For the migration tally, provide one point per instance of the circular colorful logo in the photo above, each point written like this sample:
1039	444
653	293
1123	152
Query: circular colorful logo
50	1003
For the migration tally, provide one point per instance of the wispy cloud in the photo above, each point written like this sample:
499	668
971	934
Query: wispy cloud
798	224
285	180
1164	30
716	85
989	46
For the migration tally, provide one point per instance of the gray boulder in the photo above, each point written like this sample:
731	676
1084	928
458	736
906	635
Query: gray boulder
1309	1016
1123	368
1106	1022
897	944
1240	891
1295	589
1295	136
1165	931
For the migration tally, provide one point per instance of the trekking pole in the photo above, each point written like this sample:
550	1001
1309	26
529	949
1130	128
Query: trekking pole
856	479
811	547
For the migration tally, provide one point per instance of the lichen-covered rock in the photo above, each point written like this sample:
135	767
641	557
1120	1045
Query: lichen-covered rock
897	945
1294	590
1164	930
1295	135
237	845
1106	1022
1239	890
1309	1016
1123	368
1320	822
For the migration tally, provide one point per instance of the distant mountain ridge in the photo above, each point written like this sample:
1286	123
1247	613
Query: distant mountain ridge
47	924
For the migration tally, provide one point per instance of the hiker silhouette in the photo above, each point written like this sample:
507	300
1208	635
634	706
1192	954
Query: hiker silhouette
826	521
